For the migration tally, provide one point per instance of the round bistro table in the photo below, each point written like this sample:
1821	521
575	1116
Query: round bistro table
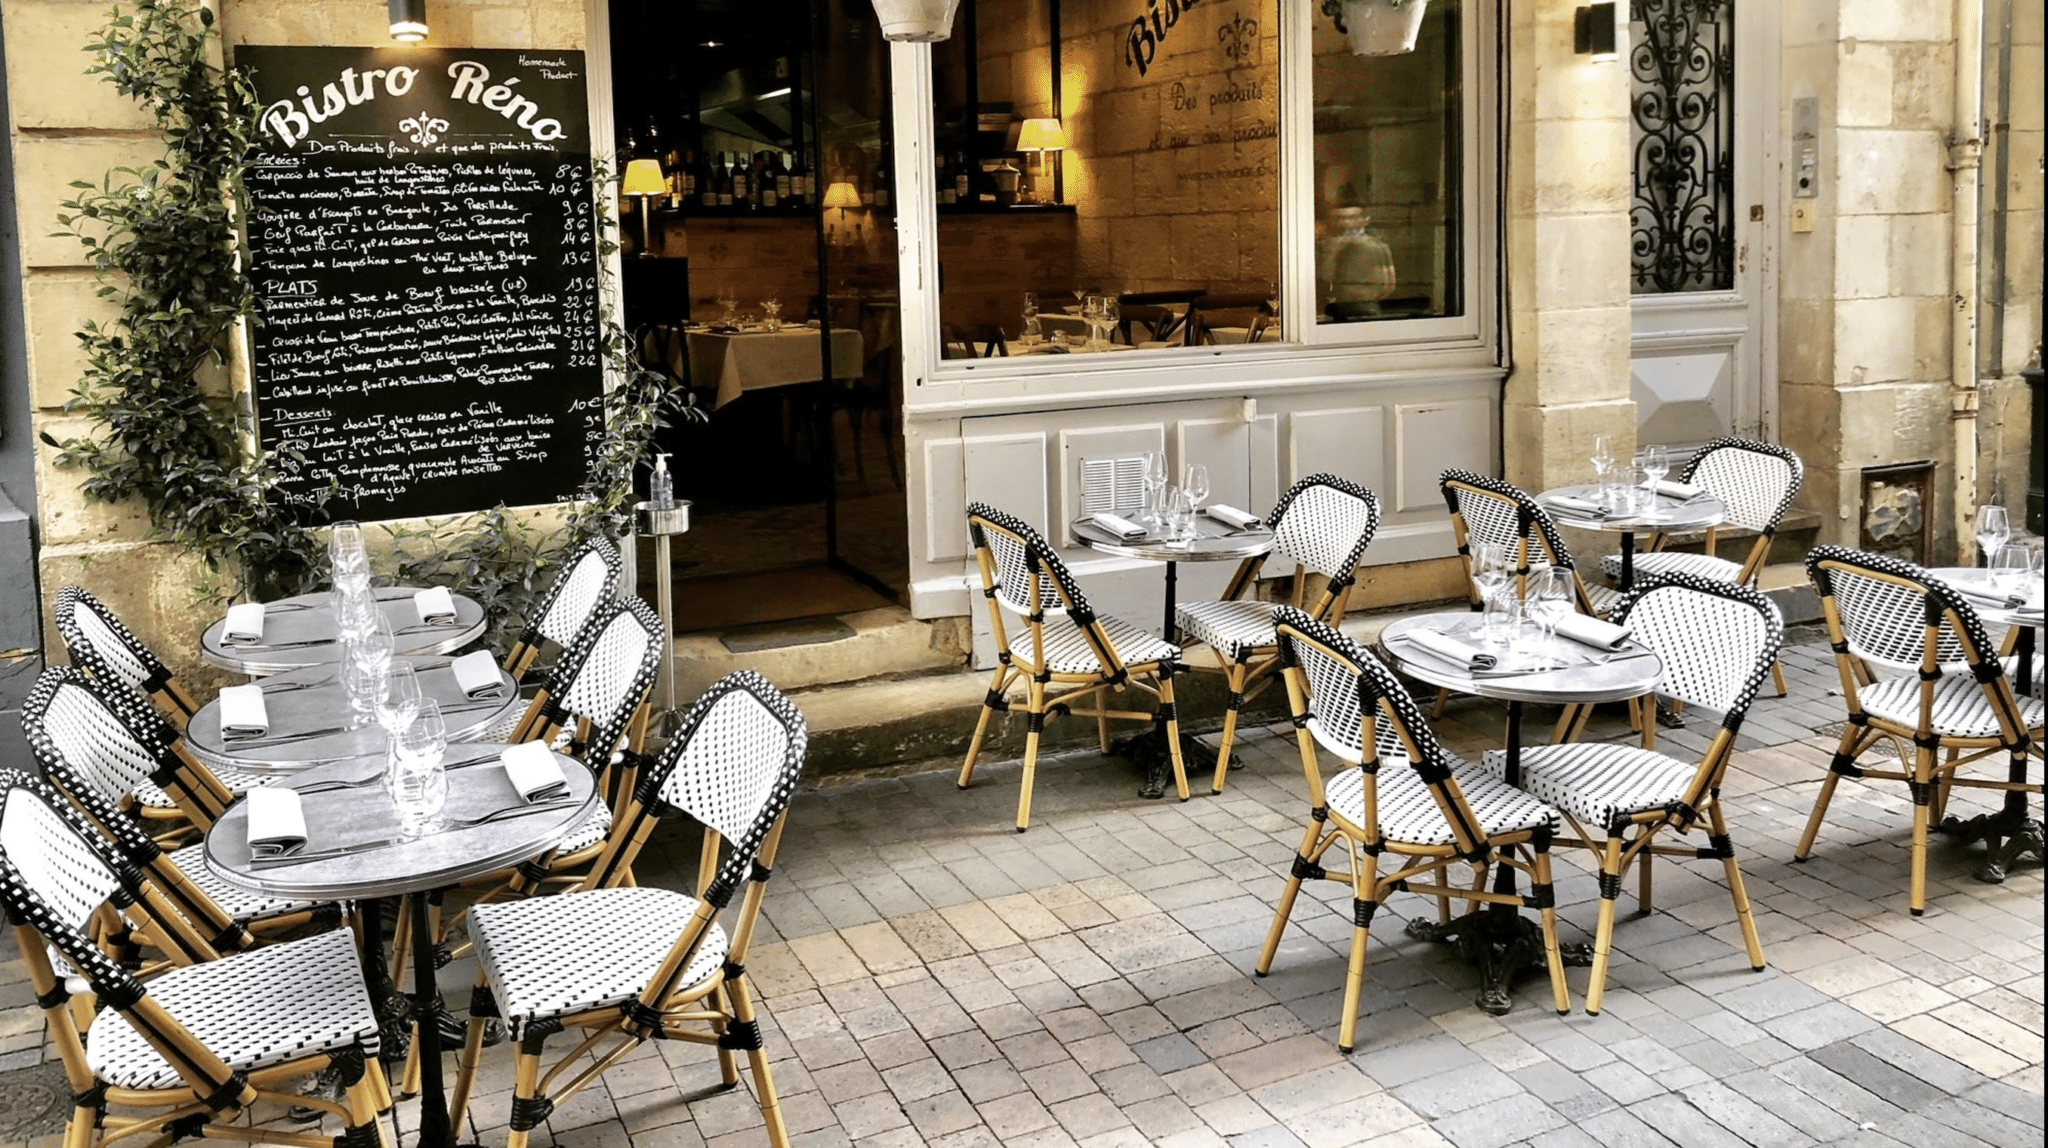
299	632
309	719
355	851
1213	542
1695	513
1495	938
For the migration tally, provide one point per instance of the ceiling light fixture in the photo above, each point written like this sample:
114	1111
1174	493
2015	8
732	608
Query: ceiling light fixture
408	20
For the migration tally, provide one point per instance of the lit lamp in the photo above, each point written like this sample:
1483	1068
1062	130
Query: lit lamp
1041	136
1593	32
919	21
644	179
845	197
408	20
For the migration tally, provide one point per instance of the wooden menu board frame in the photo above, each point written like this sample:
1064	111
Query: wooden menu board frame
424	254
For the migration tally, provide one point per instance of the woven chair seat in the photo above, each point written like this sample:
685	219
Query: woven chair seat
588	832
1664	562
1410	815
1960	709
2012	670
1067	650
1229	628
252	1009
1603	598
541	961
1597	783
151	796
241	903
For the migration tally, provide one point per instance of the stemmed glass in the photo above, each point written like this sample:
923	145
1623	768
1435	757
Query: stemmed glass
373	644
1549	600
1490	573
365	686
1155	488
398	703
1603	462
1194	482
347	559
414	777
1655	462
1091	314
1112	313
772	309
728	301
1993	529
1032	333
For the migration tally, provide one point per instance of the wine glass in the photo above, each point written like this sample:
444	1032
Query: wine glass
1603	461
415	778
1654	463
1091	314
1490	573
1549	601
772	308
1993	529
373	645
1155	487
1032	333
728	301
365	686
1194	482
1112	314
398	703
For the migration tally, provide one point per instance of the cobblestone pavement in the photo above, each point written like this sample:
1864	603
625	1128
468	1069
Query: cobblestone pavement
929	976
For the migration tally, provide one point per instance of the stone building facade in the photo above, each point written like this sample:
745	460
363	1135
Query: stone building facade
1852	326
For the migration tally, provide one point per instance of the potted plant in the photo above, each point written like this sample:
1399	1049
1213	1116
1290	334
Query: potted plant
1377	27
916	20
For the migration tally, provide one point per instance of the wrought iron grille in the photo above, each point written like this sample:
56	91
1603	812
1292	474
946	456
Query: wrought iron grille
1682	221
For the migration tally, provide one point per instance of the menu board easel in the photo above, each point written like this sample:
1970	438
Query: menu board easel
425	265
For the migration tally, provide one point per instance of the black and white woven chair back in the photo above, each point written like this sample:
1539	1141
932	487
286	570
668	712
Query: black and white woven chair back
609	670
66	864
107	649
1324	523
1756	481
106	736
1885	621
1717	640
1019	552
591	577
733	766
1494	511
1344	681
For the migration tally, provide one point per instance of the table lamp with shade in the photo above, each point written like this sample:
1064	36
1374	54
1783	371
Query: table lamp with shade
644	179
1041	136
845	197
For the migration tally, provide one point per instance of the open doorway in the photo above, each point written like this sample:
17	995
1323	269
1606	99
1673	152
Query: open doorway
760	273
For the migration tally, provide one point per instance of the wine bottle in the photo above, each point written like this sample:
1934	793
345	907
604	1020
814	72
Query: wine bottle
785	183
881	192
726	181
944	179
963	188
707	183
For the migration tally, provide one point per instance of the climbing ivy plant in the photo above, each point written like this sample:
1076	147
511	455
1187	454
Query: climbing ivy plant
167	241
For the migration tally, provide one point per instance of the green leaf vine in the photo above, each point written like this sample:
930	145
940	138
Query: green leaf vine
166	239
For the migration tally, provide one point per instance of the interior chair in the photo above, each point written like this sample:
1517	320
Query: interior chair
1060	663
1756	481
1323	524
1252	311
670	965
1717	641
1148	323
110	652
588	578
962	340
191	1050
1406	810
1948	693
876	390
125	749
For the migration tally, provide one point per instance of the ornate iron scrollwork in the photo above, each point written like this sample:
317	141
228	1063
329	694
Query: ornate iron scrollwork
1682	220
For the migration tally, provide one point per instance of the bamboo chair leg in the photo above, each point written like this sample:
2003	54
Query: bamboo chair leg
525	1089
1645	892
467	1063
1102	720
1778	675
1443	699
1365	876
1035	719
1923	797
757	1058
1844	760
1561	993
1736	890
1235	676
1313	844
360	1096
1180	771
988	709
1603	936
728	1064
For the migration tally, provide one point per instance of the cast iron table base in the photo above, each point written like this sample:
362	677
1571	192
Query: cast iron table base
2009	834
1501	943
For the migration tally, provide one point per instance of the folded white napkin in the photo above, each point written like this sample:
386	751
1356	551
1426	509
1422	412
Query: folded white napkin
533	771
1123	529
477	674
242	715
1452	650
1590	631
1679	490
436	606
1984	596
277	826
1577	507
244	623
1233	517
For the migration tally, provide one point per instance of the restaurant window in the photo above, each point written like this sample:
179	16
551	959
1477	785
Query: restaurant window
1389	177
1120	150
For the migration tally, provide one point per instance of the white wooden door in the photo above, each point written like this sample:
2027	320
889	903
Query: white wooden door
1703	225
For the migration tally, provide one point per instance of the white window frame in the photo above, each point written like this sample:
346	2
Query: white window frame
1309	351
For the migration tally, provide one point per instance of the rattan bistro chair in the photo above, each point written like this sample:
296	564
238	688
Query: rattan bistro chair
1427	808
1486	509
664	965
1756	481
1717	642
1084	657
588	579
1951	693
111	653
1323	524
196	1046
128	751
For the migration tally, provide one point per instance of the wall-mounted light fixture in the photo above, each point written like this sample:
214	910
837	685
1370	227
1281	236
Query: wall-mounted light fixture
843	197
1593	31
1040	137
408	20
644	180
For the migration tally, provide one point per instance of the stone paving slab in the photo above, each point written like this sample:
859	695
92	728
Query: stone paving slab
928	976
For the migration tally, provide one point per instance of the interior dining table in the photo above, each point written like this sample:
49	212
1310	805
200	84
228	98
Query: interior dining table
754	359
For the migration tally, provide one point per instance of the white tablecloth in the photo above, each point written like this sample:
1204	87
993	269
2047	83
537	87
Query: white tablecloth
756	360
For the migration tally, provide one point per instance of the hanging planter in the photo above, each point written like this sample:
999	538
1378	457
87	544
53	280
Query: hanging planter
1377	27
916	20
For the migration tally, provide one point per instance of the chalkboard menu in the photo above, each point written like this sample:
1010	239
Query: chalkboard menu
425	271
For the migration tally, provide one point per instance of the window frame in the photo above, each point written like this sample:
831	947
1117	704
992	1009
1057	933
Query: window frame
1308	351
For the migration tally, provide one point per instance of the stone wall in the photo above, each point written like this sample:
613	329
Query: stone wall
68	126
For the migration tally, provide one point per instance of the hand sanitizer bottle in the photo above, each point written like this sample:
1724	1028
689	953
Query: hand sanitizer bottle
661	489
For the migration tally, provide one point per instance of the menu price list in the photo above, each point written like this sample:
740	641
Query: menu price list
428	326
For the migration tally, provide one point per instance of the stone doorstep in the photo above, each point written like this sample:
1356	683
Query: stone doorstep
896	697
